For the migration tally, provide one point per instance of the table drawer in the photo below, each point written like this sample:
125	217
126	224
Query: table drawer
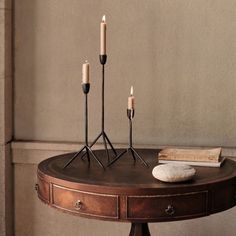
86	203
223	196
166	207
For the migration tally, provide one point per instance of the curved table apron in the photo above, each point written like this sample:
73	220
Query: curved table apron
128	192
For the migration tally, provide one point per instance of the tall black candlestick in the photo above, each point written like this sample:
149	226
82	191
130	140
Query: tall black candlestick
86	148
103	59
130	149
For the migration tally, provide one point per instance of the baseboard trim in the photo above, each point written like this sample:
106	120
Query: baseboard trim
33	152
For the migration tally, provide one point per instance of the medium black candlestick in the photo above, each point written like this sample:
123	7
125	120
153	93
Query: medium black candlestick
130	149
103	59
86	148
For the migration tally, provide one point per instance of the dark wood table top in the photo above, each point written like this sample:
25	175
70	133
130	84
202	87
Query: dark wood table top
127	174
127	191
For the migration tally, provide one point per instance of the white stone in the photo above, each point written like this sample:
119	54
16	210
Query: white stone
173	172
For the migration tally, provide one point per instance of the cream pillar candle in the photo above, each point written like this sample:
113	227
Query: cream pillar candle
131	99
103	28
85	73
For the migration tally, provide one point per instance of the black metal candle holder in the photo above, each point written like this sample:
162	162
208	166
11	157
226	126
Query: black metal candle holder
130	149
106	141
86	149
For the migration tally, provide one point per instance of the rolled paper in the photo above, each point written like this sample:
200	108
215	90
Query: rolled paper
85	73
103	28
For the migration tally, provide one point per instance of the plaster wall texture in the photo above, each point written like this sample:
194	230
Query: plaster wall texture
5	76
6	4
6	192
179	56
6	173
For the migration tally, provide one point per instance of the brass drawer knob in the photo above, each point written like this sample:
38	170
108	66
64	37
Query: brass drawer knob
170	210
78	205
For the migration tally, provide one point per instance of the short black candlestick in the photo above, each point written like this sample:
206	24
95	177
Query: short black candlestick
86	148
103	59
130	149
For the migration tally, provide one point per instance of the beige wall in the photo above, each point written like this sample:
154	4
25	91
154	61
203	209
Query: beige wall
180	57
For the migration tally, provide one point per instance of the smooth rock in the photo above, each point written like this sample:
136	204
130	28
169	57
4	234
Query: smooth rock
173	172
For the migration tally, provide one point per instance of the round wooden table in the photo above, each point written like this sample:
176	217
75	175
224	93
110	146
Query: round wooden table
128	192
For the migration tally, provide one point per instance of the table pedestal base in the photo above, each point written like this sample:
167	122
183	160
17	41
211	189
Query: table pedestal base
139	229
